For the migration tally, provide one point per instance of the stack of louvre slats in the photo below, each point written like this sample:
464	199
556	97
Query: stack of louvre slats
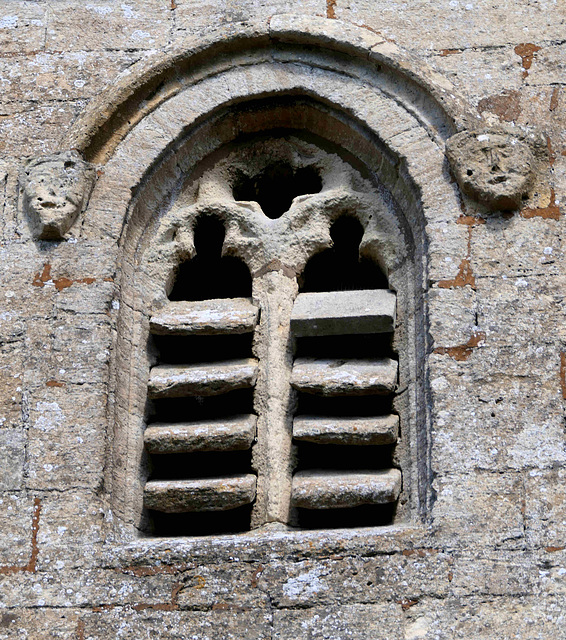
344	314
213	491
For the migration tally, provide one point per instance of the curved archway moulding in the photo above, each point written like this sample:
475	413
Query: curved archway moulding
317	41
340	86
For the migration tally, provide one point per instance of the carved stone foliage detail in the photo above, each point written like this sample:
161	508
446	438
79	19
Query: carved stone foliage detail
55	189
495	167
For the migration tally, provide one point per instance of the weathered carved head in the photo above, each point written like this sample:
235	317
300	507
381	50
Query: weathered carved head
495	168
54	191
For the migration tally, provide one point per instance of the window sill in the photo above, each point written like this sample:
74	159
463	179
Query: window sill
267	544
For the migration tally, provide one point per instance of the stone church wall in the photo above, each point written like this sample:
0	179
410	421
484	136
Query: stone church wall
110	114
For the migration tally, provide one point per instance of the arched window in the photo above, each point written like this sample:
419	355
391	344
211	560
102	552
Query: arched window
273	354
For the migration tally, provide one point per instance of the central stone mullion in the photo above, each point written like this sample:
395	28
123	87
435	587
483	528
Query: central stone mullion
274	398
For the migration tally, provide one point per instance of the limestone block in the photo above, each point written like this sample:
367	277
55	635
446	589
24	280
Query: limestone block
177	381
452	315
81	348
378	622
336	490
55	189
495	420
11	383
344	377
545	507
350	431
16	517
343	312
22	27
517	248
510	573
450	26
165	622
12	458
529	308
191	16
43	623
202	494
71	75
313	582
480	508
209	585
104	25
66	436
528	618
207	317
230	434
30	128
72	528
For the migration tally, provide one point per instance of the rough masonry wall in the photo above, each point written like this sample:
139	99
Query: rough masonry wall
490	561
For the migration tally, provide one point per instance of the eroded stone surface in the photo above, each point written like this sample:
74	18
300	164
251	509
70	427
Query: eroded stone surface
336	490
207	317
176	381
494	167
379	430
203	494
231	434
344	377
55	189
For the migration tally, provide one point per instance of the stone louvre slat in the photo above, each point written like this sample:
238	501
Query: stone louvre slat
202	494
344	312
315	489
180	380
231	434
206	317
347	431
333	377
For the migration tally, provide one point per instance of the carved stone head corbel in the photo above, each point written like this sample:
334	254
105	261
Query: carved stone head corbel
497	166
54	191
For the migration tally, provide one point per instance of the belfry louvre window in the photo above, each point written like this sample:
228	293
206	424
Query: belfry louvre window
272	390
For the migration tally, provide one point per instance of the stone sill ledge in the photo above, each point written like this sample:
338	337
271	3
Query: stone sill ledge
270	543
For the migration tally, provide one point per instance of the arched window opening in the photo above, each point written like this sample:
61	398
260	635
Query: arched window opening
271	394
197	432
341	268
210	275
345	434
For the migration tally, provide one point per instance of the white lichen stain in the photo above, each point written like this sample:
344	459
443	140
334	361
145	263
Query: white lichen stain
305	585
51	416
9	22
417	630
102	11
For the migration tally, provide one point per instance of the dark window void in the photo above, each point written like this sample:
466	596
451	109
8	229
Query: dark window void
333	457
275	188
199	408
173	349
203	464
374	345
309	404
201	523
364	516
340	268
209	275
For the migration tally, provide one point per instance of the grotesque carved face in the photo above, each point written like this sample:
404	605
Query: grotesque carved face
495	168
54	191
